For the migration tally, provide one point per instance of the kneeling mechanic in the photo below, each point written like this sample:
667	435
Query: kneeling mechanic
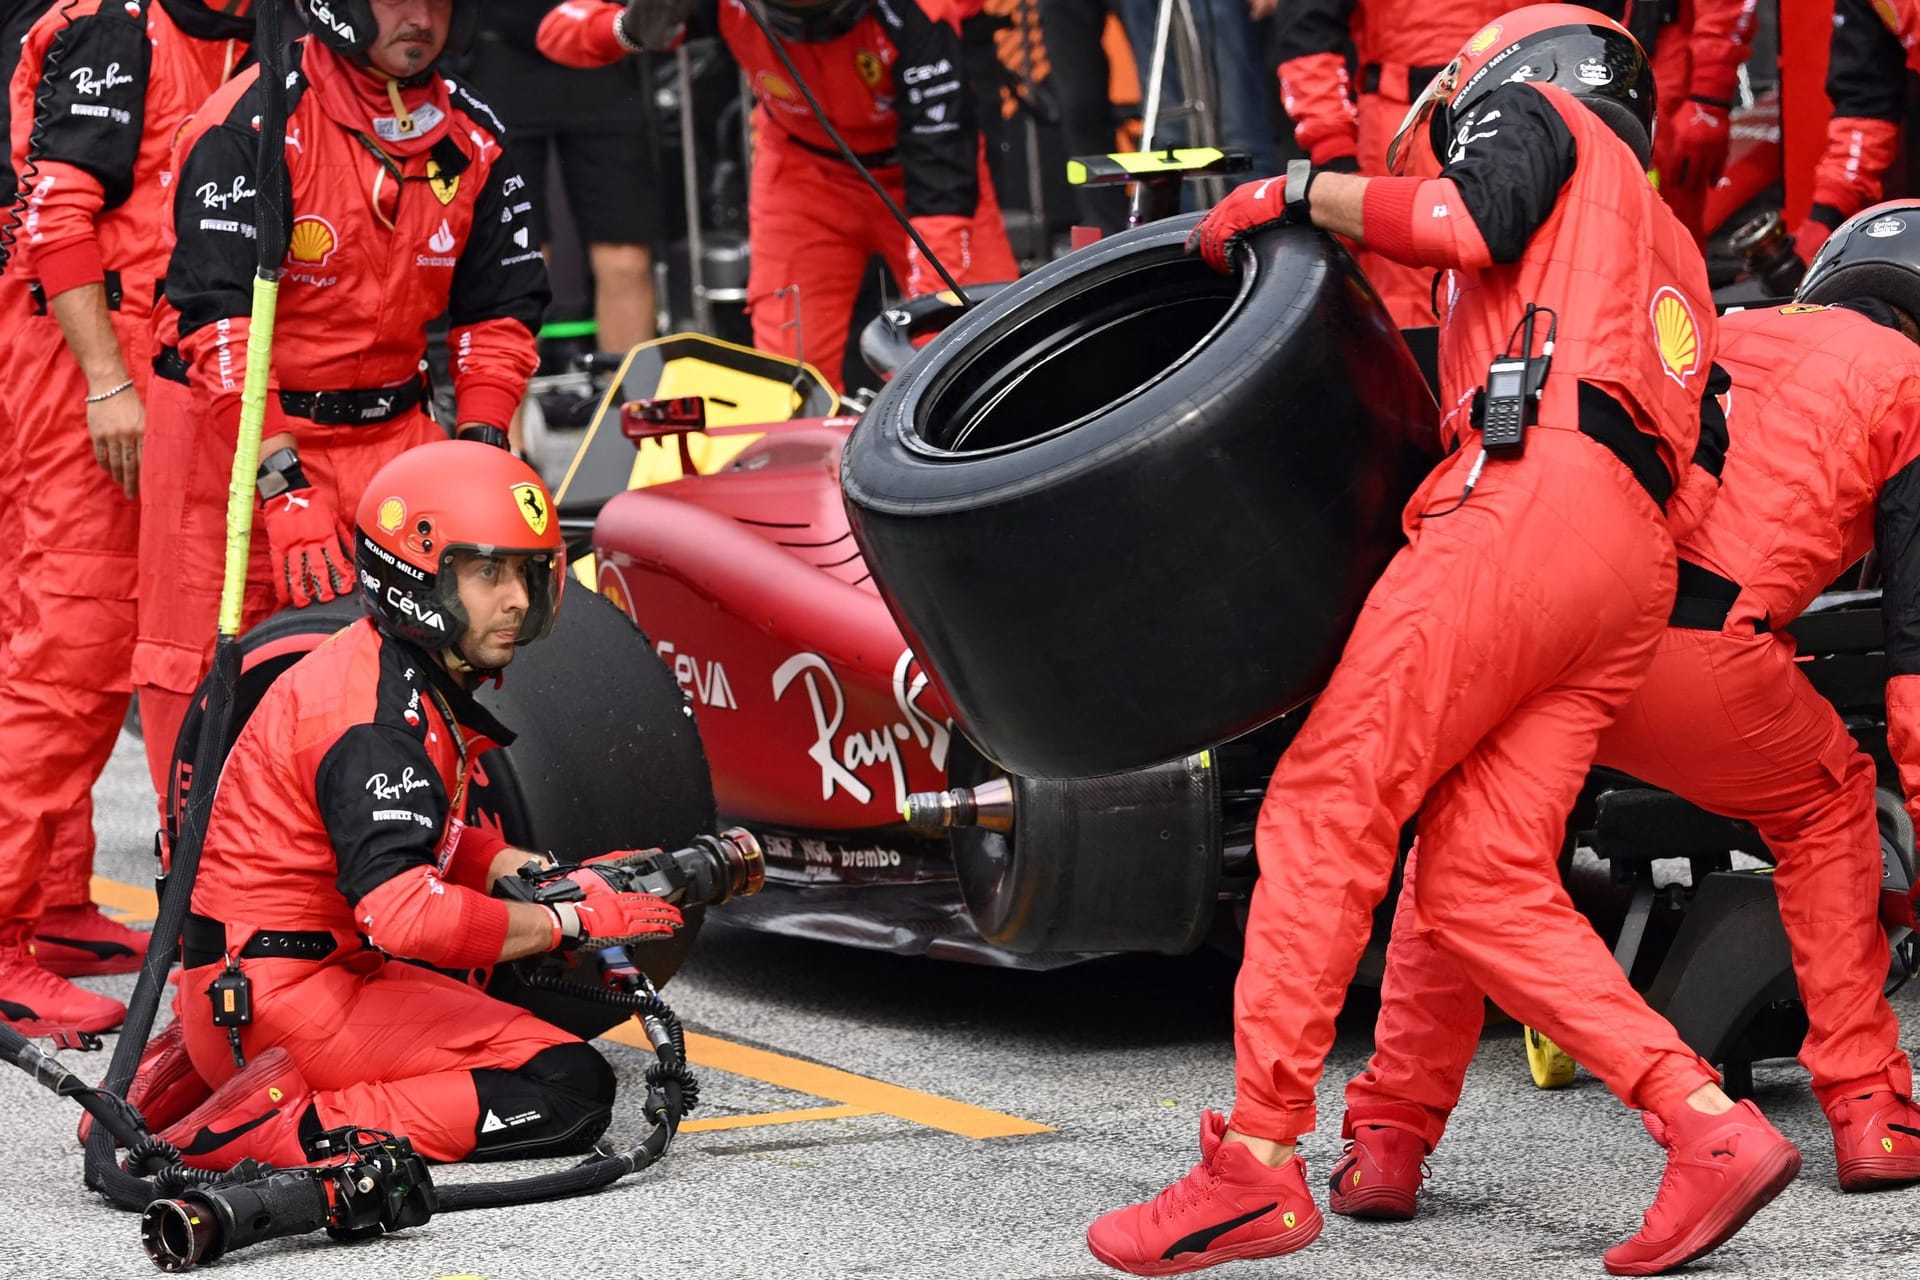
335	851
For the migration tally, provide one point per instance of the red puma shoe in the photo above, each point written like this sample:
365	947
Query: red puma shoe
1229	1206
255	1114
78	942
165	1086
1380	1174
39	1003
1876	1141
1720	1171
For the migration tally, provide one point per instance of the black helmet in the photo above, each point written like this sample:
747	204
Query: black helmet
1873	254
814	21
347	26
1586	53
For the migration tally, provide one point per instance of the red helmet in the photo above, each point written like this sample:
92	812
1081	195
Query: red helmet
453	495
1586	53
1873	254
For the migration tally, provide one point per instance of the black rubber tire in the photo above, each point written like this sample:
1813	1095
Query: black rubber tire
1086	509
607	756
1127	862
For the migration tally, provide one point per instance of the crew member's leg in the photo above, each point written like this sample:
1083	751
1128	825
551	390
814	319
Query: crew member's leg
808	229
614	195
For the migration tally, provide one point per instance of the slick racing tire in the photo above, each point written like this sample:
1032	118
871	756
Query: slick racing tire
1128	862
606	757
1127	508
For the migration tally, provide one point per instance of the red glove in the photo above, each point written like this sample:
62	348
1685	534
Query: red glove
1808	238
591	882
1699	152
311	556
615	919
1250	207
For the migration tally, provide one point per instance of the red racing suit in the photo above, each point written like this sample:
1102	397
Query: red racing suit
1502	639
377	247
100	91
1876	43
1696	73
335	836
894	88
1825	419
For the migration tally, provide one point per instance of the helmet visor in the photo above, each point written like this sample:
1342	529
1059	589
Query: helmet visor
1420	116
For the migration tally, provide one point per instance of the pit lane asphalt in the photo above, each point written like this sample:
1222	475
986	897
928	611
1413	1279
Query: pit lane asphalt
1117	1058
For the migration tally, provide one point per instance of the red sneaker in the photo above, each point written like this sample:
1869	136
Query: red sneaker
41	1003
165	1086
255	1114
1229	1206
78	942
1720	1171
1876	1141
1379	1175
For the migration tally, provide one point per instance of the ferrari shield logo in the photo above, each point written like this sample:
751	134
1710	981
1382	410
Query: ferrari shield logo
444	187
869	68
1675	335
532	505
1801	308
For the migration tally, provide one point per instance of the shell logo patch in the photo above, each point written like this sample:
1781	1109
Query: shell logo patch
444	187
532	505
869	68
773	86
1675	335
313	240
391	515
1483	41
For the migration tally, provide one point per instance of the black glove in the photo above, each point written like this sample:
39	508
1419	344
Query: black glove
653	24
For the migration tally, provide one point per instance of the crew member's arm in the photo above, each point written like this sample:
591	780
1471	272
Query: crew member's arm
938	140
1897	539
498	297
385	806
1721	39
82	149
1316	84
594	33
1866	79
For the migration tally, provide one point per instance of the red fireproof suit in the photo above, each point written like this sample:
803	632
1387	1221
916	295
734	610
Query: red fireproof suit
1825	420
99	94
373	254
336	815
1504	637
1696	63
894	88
1876	44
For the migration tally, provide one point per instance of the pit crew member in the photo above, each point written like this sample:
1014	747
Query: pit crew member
398	207
1499	642
335	849
1876	45
889	75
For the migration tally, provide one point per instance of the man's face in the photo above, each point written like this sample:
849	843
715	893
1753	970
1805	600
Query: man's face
494	592
408	35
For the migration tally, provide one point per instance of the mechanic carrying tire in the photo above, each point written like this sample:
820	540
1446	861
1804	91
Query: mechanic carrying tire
1578	338
891	78
1825	460
398	207
335	852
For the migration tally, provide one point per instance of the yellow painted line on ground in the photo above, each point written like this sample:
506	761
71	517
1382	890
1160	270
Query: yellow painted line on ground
857	1095
714	1123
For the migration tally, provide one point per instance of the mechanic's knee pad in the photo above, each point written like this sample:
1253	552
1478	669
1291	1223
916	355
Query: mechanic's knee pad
557	1102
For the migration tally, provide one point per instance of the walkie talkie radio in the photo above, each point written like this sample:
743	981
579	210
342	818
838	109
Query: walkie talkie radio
1510	401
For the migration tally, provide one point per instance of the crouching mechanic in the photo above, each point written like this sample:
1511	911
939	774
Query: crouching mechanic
1499	642
335	853
1825	462
398	206
889	73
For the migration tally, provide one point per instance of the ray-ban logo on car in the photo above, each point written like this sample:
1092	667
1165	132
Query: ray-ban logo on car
85	83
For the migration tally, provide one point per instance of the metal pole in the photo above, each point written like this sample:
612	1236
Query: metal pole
1036	190
1162	22
690	178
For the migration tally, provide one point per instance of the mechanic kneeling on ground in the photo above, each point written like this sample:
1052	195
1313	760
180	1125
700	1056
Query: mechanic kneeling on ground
1499	643
335	849
1824	462
399	205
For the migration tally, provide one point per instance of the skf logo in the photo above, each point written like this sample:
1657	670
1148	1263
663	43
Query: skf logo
869	68
443	187
1675	335
312	241
772	86
533	507
392	514
1484	40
